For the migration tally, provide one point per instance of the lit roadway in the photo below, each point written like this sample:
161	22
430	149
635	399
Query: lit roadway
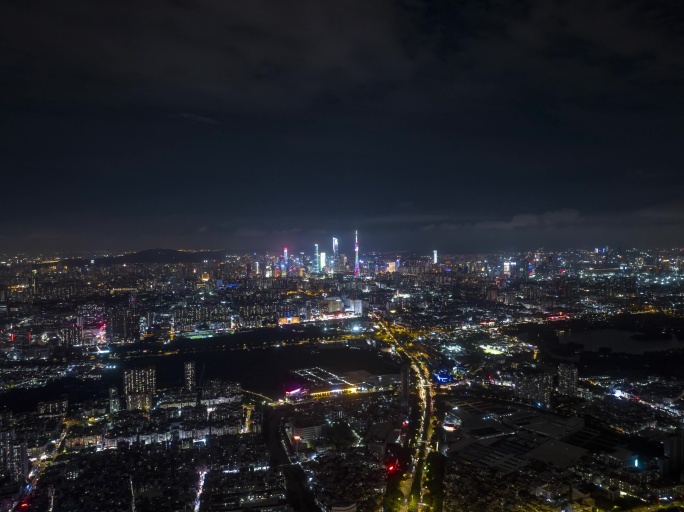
421	447
40	466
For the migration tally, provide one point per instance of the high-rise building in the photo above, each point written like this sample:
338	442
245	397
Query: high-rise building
13	456
189	375
114	402
567	379
122	325
356	255
357	306
55	407
220	391
434	257
336	255
322	263
140	386
140	380
316	261
534	386
139	401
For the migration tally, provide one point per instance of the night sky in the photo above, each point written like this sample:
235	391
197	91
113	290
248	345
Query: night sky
451	125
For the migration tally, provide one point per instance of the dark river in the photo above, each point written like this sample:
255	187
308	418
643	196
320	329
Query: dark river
265	371
617	340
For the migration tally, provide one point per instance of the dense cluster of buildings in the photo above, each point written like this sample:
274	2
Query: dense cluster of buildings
347	445
564	459
146	440
536	412
169	476
50	305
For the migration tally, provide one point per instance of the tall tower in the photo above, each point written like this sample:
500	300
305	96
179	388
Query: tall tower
356	255
336	255
434	257
316	261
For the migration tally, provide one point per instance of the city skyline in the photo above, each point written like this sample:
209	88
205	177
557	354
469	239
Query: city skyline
360	256
209	376
149	255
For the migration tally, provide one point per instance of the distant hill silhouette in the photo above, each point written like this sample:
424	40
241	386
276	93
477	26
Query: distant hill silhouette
150	256
163	256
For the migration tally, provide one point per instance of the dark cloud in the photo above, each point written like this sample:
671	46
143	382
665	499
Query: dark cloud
267	55
194	118
209	54
239	124
531	220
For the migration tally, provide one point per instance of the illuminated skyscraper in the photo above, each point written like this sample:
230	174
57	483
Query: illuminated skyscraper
140	385
434	257
316	261
284	264
14	456
336	255
140	380
356	255
323	263
114	403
